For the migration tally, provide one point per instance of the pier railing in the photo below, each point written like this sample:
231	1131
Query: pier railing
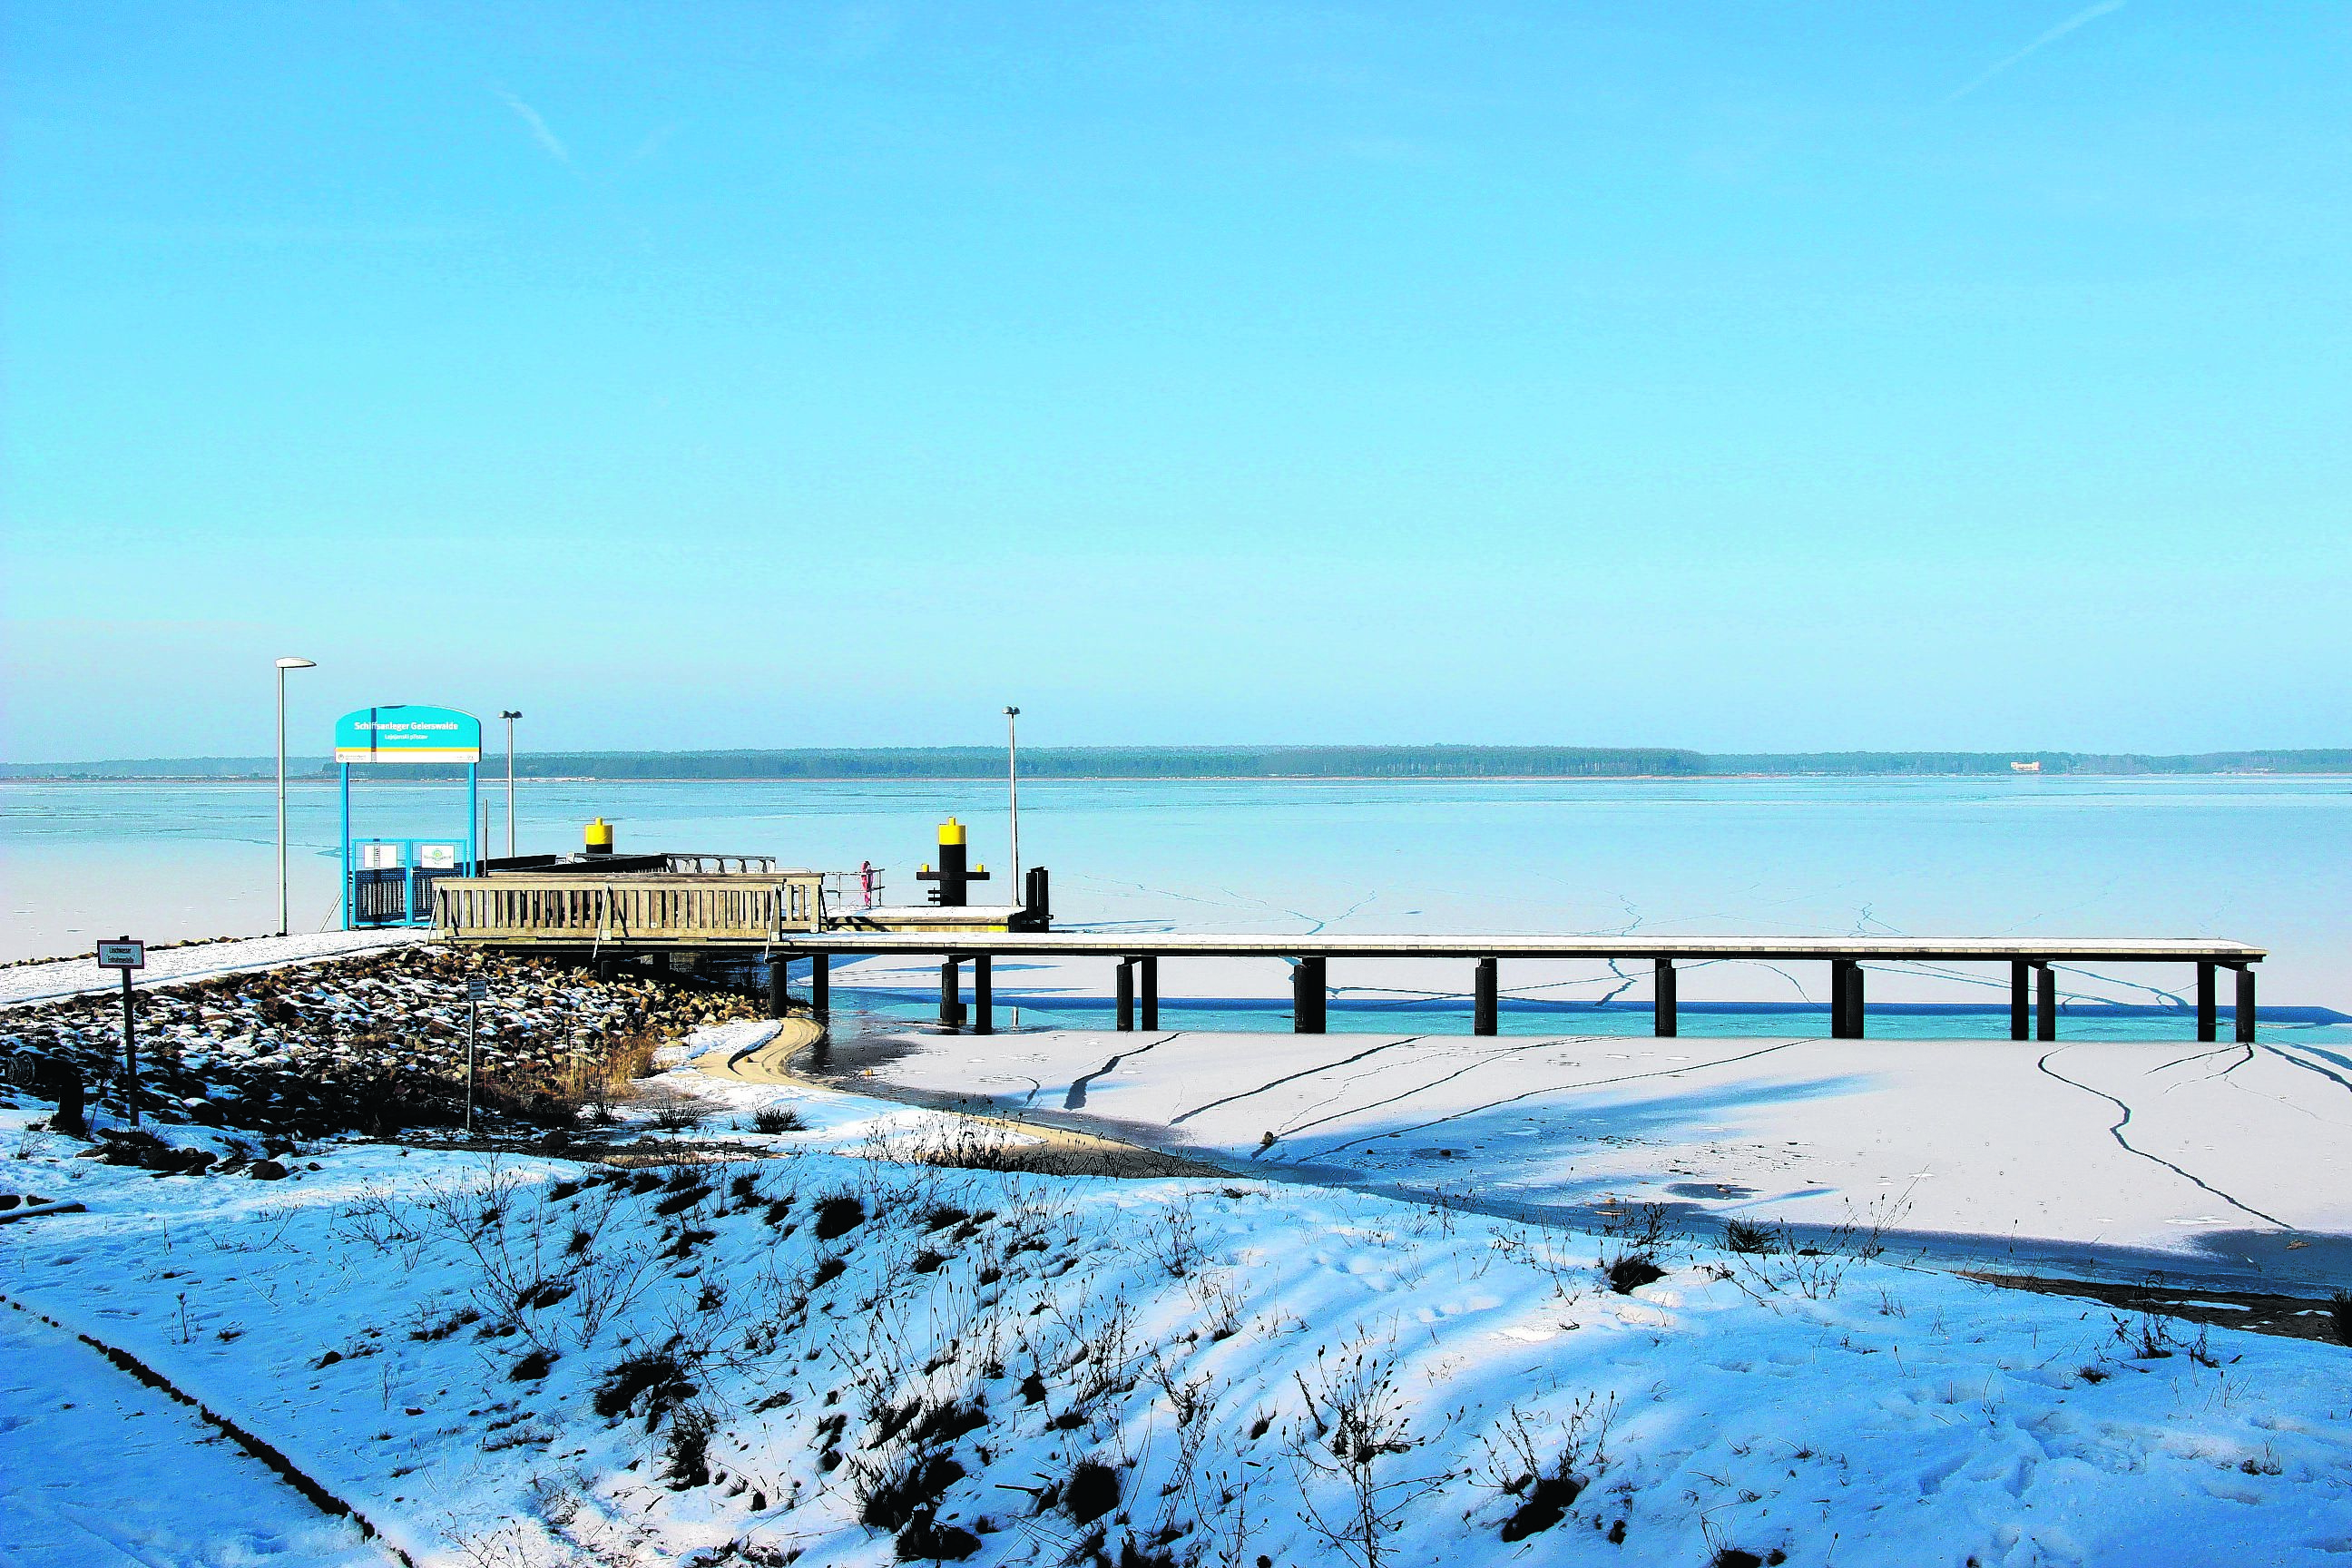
686	909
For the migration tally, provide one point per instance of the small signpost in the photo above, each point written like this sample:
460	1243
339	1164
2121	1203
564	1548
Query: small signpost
478	990
126	955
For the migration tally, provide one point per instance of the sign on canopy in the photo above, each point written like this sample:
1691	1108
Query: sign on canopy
408	733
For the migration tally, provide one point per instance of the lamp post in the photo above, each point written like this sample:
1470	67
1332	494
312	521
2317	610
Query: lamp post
283	666
510	715
1012	790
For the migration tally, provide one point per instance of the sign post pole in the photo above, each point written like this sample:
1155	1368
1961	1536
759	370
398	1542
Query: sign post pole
129	1052
125	954
477	990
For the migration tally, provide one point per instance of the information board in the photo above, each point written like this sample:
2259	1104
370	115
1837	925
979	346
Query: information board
408	733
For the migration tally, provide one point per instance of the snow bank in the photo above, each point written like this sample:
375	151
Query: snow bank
833	1354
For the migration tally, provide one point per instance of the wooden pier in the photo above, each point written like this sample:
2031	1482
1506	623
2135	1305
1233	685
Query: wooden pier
2033	977
781	915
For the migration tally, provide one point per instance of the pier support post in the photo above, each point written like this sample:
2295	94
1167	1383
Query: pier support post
951	993
2045	1024
983	996
1845	999
1147	974
2246	1018
2208	1023
821	983
1308	991
779	985
1126	995
1663	1021
2020	1000
1485	1002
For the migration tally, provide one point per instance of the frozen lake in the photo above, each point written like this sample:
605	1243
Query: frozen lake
2258	859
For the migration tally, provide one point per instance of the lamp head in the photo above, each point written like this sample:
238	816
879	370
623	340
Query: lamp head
298	664
1013	712
509	713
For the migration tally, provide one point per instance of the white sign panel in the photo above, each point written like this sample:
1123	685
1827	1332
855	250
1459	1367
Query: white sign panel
379	857
122	955
437	857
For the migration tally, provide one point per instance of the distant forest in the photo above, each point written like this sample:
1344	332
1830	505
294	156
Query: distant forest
1246	762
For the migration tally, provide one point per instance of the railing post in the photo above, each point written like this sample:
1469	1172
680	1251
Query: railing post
1663	1021
1147	974
1308	994
2246	1015
1485	1000
2208	1022
2020	1000
2045	1024
984	996
1125	987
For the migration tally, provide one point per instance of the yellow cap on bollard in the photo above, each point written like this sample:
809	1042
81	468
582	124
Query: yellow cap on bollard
600	837
951	832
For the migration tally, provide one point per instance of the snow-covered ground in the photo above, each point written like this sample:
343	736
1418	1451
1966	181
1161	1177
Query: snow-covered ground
2226	1161
497	1364
193	961
97	1469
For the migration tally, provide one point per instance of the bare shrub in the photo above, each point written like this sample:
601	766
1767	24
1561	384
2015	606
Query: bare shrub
673	1110
653	1381
777	1119
838	1214
1548	1474
1172	1239
686	1454
1631	1272
1357	1420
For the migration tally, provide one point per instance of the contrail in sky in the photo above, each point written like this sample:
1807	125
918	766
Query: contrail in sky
554	146
2046	39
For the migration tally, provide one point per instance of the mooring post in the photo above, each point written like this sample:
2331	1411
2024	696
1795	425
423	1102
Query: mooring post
2020	1000
779	984
950	993
821	983
1126	991
2208	1022
1147	974
1307	996
984	996
2246	1018
1485	1002
1661	998
2045	1024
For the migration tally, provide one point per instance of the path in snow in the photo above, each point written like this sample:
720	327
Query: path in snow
73	1430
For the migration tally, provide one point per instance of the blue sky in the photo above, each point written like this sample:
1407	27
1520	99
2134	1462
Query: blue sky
1727	376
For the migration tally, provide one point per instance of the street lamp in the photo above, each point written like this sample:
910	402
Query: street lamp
283	666
1013	788
510	715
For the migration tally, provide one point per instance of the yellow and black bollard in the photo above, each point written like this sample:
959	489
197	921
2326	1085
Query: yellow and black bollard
952	874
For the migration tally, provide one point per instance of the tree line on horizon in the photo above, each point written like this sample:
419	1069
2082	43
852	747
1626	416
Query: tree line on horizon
1334	761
